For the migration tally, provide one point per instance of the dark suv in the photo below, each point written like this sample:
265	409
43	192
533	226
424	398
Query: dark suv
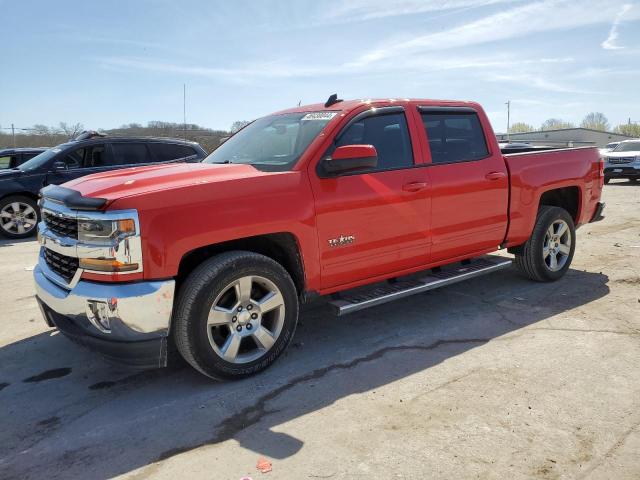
12	157
89	153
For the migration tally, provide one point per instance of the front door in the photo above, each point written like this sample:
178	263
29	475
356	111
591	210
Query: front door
376	222
80	162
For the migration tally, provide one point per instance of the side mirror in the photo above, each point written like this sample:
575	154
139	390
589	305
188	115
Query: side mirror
57	166
351	158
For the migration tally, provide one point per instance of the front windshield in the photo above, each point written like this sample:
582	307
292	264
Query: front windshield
273	143
39	160
627	147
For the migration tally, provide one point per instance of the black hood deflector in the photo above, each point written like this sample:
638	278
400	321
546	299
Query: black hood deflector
72	198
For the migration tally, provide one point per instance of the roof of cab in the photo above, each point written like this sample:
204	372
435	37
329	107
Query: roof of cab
348	105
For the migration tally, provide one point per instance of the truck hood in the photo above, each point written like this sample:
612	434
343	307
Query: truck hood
139	180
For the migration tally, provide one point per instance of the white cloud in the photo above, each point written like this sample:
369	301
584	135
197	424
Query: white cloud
610	42
542	16
358	10
247	72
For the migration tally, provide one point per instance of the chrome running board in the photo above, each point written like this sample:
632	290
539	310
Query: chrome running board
365	297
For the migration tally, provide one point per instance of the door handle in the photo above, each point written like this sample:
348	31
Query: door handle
495	175
414	186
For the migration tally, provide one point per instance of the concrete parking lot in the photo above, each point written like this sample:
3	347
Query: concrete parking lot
498	377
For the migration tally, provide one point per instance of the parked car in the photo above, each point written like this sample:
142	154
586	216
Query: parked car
608	147
352	198
623	161
89	153
12	157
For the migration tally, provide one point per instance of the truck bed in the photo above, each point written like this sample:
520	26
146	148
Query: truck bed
532	173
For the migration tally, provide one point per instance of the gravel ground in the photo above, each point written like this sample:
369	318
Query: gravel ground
498	377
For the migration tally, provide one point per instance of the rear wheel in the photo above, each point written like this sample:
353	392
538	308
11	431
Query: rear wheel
19	216
235	314
547	255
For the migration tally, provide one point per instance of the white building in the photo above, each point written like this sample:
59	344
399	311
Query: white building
565	137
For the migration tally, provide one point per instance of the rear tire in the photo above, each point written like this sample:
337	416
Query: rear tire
19	217
235	314
548	253
607	180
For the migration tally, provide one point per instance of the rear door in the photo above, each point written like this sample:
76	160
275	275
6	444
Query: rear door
375	222
469	182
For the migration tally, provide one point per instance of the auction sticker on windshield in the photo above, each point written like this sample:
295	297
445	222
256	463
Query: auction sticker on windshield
319	116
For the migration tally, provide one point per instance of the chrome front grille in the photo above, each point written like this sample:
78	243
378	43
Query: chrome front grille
61	225
620	160
64	266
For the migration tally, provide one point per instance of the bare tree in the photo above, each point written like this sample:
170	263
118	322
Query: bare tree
72	130
239	124
556	124
39	129
521	127
595	121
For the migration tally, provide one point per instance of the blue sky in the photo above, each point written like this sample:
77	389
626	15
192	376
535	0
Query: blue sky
108	63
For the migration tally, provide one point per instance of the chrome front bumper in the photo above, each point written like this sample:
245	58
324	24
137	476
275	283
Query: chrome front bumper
138	313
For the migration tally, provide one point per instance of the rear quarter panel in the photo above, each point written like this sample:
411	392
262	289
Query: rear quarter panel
533	174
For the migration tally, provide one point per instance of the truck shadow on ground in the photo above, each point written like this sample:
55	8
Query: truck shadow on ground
71	415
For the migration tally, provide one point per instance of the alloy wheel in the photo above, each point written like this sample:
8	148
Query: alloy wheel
246	319
18	218
557	245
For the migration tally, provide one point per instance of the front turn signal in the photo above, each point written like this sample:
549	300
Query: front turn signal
109	265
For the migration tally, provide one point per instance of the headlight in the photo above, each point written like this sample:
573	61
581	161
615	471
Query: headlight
105	231
119	253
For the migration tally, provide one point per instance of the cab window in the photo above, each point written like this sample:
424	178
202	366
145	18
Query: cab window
454	137
388	133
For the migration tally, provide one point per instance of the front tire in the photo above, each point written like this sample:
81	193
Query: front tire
19	217
235	314
548	253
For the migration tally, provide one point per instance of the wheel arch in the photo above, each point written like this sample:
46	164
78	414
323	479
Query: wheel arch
27	194
283	247
568	198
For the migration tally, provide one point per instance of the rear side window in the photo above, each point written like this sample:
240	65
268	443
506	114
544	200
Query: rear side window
130	153
388	133
165	152
454	137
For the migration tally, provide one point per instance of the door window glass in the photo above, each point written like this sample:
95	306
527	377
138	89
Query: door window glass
5	162
165	152
389	134
130	153
75	159
454	137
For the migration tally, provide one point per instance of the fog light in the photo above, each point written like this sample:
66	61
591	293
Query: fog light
98	315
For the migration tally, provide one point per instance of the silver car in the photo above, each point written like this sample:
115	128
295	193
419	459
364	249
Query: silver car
623	161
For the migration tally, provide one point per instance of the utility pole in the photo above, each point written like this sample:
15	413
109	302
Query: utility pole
184	108
508	104
13	134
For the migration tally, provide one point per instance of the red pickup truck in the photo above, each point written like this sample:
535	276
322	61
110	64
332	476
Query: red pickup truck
359	201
